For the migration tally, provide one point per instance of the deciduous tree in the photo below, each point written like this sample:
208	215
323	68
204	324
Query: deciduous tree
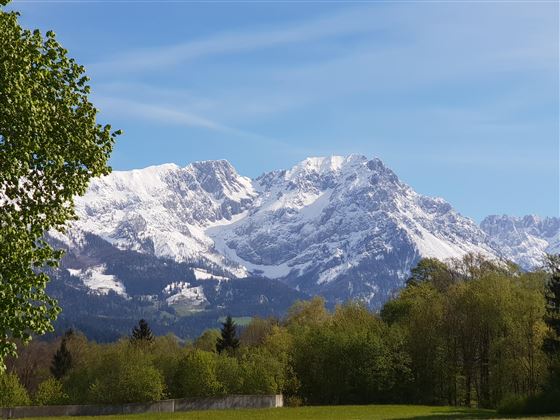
552	318
50	147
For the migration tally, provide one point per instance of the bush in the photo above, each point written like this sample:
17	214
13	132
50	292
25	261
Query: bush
542	403
50	392
229	374
293	401
126	375
262	373
12	392
165	353
512	404
207	340
196	375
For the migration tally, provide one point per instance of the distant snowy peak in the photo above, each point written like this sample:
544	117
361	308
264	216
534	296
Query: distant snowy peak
524	239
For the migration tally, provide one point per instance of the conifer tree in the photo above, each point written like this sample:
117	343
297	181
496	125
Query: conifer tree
142	332
228	340
552	317
62	361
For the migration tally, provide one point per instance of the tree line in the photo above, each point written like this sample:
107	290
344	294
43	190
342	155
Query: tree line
468	331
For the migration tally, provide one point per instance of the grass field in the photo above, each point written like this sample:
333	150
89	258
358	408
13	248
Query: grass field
239	320
368	412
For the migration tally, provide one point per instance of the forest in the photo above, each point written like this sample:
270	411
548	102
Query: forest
467	332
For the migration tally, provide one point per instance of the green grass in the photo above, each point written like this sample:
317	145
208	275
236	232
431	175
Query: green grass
365	412
183	310
242	321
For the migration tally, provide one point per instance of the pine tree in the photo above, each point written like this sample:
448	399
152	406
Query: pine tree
552	317
62	361
142	332
228	340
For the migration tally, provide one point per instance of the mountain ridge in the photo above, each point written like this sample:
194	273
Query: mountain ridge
342	226
523	239
186	245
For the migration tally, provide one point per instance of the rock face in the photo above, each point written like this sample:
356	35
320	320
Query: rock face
164	210
343	227
523	240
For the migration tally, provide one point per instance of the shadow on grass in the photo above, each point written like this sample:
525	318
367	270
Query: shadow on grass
458	413
465	413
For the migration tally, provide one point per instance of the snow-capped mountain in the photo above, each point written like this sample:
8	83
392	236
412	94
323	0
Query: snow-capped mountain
343	227
165	210
524	239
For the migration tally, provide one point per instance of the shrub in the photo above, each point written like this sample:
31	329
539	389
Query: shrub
229	374
12	392
512	404
50	392
196	375
165	353
293	401
542	403
126	375
262	373
207	340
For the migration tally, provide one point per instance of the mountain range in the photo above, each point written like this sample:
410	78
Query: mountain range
185	240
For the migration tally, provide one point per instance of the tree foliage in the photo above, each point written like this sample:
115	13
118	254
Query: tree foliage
551	389
50	147
552	267
464	332
207	340
142	333
349	358
50	392
12	392
431	270
126	374
228	340
196	375
477	339
61	361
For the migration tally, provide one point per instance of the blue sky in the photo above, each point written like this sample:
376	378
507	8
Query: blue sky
460	99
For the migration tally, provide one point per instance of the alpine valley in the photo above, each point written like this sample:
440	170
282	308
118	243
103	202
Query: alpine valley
183	247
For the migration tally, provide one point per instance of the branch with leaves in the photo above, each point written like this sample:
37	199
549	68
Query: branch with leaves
50	147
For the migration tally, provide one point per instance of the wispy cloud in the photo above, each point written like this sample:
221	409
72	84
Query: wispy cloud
418	50
165	115
353	21
160	114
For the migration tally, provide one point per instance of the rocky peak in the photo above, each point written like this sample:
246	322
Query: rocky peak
341	226
523	239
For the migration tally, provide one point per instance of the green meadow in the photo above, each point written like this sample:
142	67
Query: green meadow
352	412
